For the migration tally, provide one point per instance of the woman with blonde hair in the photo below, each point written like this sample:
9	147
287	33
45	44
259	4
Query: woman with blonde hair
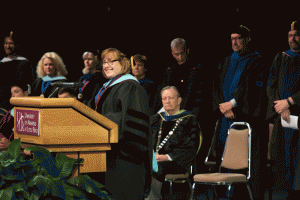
91	76
124	101
50	69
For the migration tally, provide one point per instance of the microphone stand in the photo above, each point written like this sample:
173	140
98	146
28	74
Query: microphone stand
54	92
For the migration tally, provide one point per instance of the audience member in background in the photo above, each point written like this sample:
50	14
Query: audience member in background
139	72
7	123
91	76
284	100
50	69
14	68
124	101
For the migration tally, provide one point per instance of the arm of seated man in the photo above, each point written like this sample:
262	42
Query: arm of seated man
161	158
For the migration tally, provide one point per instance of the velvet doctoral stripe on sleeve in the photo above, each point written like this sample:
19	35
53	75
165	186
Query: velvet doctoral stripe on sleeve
126	104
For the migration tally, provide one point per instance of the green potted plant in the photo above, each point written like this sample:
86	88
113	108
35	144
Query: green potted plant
44	177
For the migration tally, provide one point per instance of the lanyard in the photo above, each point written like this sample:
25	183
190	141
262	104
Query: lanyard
85	82
103	89
45	85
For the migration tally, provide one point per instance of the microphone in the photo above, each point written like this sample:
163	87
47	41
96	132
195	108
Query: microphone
68	84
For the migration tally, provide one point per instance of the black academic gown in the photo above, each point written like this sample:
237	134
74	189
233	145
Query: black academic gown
278	143
182	146
36	88
17	70
87	92
129	162
150	88
251	107
194	83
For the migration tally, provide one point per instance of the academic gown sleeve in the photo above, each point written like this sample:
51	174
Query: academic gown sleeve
126	104
25	72
250	96
276	76
187	148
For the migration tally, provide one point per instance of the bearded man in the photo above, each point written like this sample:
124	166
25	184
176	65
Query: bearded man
284	100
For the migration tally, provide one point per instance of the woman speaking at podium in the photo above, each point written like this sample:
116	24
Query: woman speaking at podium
124	101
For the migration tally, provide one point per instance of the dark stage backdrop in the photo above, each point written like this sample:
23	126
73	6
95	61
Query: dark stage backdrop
146	27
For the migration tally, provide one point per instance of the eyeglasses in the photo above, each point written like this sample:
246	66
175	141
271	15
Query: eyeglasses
110	62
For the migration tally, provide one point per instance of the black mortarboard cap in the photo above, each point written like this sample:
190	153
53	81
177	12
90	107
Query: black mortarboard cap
242	30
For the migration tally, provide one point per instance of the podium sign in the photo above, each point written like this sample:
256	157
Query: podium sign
27	122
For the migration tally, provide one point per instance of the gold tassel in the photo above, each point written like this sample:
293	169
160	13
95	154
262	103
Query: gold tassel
245	27
293	25
132	65
11	34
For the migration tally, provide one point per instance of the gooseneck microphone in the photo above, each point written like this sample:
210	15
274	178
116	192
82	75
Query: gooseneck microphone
68	84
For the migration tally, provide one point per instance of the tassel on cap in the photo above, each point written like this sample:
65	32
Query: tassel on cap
242	30
241	26
294	23
132	64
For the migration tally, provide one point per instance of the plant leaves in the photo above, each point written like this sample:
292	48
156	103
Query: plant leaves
6	194
14	148
72	191
47	185
66	164
34	195
21	188
91	186
46	159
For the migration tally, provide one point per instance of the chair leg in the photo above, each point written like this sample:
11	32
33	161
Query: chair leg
228	191
192	191
171	185
214	192
249	190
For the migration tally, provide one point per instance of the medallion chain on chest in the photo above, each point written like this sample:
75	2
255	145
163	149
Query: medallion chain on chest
160	145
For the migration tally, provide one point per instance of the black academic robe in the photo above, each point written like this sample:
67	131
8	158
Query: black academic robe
129	162
182	146
194	83
251	107
278	143
151	89
186	79
87	92
36	88
18	70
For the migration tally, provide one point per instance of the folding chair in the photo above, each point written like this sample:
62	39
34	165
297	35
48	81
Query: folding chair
236	156
183	178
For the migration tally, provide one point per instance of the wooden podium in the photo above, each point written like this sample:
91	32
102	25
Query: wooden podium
67	126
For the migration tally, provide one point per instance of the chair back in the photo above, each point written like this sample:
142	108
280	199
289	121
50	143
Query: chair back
237	149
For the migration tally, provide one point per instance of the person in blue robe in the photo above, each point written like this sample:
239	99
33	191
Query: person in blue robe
50	69
284	100
239	95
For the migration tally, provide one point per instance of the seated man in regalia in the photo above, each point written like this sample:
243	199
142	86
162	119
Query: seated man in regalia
176	138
